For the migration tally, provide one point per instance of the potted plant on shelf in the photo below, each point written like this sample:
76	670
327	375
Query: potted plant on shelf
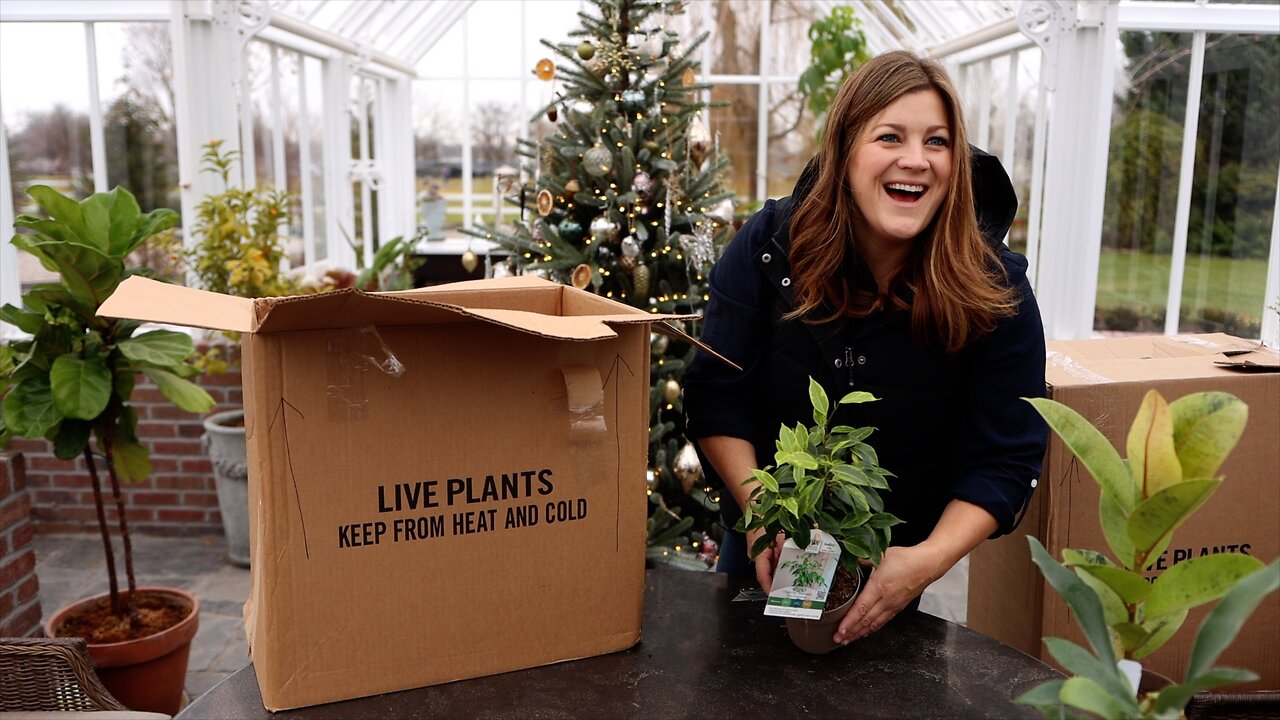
829	479
71	383
1174	450
238	251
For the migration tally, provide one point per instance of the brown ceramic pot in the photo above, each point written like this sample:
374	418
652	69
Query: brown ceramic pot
814	636
146	674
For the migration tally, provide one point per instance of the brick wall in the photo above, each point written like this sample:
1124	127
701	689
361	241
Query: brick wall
177	499
19	604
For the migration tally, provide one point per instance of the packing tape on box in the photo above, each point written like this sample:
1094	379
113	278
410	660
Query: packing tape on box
586	403
351	353
1063	362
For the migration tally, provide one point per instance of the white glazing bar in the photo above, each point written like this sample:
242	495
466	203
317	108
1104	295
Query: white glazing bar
306	187
523	128
364	99
762	109
10	282
402	23
1011	113
467	201
984	105
1194	17
1190	126
280	176
895	23
436	29
1039	144
1271	299
45	11
248	167
345	16
97	139
877	28
384	163
921	21
368	9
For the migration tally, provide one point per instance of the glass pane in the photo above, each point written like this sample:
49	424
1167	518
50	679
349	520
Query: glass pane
789	37
437	140
792	140
496	121
258	58
1142	181
549	20
494	40
734	42
1233	190
734	129
315	151
1019	166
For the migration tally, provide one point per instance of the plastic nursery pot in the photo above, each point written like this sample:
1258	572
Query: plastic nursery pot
147	673
814	636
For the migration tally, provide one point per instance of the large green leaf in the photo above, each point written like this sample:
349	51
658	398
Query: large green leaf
27	322
858	396
1197	581
818	399
96	216
81	388
1091	446
71	440
1153	521
90	275
1113	608
159	347
1206	427
1082	663
183	393
1115	528
1087	695
1158	632
1128	585
858	476
150	224
1079	597
1223	622
1153	462
49	229
28	408
60	208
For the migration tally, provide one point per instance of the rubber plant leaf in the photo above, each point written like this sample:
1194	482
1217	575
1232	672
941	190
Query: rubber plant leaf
1152	523
1223	622
1206	427
1087	695
1083	664
1080	598
1197	581
1112	606
1153	460
1044	697
1087	443
1129	586
81	388
1115	528
1159	631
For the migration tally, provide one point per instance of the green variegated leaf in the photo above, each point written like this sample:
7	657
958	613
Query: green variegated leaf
767	481
158	347
1153	461
1087	443
1115	528
818	398
1206	427
858	397
1072	557
1079	597
1112	606
791	506
1197	581
81	388
1081	662
1129	586
1159	631
1087	695
1154	520
1223	622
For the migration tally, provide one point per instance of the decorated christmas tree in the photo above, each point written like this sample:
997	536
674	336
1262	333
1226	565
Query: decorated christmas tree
627	201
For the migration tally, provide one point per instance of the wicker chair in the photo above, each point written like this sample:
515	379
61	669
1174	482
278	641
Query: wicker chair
1262	705
40	674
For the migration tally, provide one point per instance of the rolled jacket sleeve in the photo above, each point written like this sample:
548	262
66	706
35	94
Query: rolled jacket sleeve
1003	438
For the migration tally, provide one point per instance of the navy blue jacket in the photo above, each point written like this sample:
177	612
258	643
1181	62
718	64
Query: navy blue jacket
948	425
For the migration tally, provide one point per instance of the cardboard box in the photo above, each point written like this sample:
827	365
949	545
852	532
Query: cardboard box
1105	380
443	483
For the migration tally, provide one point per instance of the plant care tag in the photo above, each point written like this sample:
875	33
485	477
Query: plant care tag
803	578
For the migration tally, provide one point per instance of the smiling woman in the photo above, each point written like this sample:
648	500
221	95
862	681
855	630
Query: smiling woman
884	272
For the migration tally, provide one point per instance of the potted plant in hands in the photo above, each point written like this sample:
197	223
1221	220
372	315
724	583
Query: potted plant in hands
829	479
1174	449
238	251
71	384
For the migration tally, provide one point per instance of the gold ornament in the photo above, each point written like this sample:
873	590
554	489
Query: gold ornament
470	261
545	202
582	276
671	390
688	78
699	140
545	69
640	278
586	50
686	467
571	186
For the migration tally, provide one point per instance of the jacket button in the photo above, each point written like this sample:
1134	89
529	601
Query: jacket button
766	257
862	359
839	362
1034	482
786	282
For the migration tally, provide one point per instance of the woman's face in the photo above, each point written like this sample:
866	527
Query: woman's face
901	169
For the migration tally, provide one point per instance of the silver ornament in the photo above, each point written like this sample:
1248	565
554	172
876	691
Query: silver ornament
658	343
597	161
699	249
721	212
603	229
686	467
642	183
582	106
630	246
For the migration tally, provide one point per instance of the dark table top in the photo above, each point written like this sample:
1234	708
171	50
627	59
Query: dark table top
705	656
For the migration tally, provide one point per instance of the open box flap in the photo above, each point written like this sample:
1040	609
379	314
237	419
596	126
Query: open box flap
139	298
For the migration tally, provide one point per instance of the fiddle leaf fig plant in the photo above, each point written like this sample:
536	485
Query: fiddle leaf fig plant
825	478
71	381
1175	450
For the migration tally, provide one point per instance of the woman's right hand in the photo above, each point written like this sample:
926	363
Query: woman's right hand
767	561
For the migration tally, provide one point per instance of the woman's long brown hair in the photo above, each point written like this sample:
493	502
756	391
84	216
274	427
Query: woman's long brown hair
952	280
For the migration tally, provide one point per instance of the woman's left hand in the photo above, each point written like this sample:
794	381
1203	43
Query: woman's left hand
903	574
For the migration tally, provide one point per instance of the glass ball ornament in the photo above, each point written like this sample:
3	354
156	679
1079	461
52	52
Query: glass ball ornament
671	390
570	231
545	69
597	161
686	467
586	50
642	183
603	229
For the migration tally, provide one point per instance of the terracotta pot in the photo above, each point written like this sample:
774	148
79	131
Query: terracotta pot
814	636
146	674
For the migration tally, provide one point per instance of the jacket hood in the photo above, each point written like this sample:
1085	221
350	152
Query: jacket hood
993	197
